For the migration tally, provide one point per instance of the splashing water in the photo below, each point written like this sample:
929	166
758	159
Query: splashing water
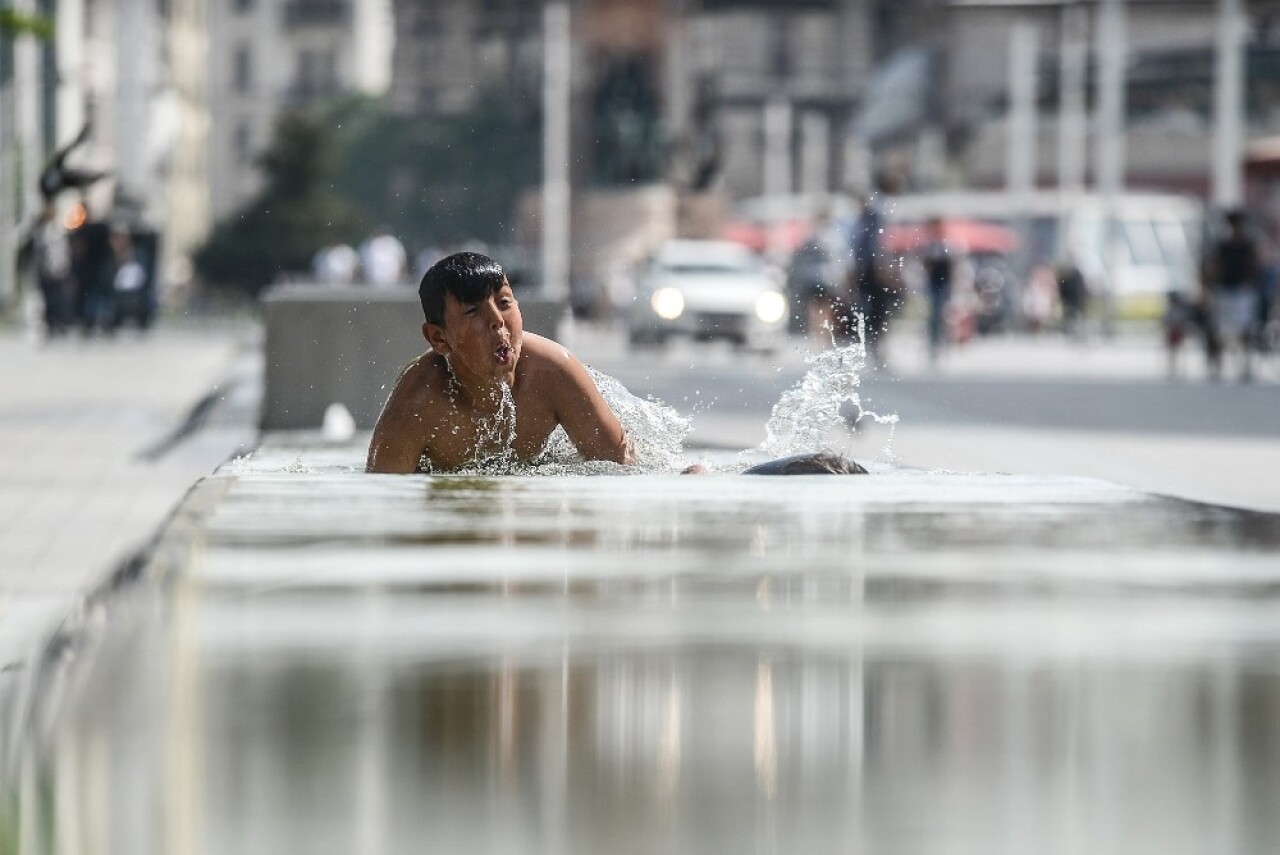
802	421
805	415
656	432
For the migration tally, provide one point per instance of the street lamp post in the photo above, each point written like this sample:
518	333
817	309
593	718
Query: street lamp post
555	150
1112	41
1228	105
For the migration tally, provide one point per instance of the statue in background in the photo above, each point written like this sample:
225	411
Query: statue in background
627	135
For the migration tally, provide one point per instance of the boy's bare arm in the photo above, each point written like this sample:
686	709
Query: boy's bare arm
592	426
398	438
391	451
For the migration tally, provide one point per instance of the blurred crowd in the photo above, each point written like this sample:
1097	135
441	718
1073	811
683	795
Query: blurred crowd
1234	315
380	261
849	278
92	275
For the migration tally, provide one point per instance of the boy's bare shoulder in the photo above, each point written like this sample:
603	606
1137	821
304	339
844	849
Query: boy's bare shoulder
421	382
546	359
408	420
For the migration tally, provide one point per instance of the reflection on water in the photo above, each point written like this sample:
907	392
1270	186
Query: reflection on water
904	662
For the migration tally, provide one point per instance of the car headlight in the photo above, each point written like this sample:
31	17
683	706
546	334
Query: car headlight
668	303
771	306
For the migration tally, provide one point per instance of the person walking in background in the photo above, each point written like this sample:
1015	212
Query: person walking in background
819	274
335	264
938	272
1234	291
132	297
873	295
93	269
1268	286
1073	294
383	259
425	259
51	260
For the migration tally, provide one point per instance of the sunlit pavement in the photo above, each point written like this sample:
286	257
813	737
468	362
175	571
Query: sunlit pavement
78	492
1035	405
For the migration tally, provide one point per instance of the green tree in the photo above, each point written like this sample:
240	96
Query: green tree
296	213
440	179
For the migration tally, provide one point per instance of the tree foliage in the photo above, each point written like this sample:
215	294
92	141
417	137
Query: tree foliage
431	180
440	179
16	23
295	214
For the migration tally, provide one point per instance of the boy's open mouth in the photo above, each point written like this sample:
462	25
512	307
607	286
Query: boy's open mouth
503	353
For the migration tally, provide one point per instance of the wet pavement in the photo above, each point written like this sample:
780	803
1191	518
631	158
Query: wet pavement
97	446
907	661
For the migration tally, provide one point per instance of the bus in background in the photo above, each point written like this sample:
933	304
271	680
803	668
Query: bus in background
1155	241
1147	247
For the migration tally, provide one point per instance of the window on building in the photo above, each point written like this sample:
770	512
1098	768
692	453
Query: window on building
316	73
242	143
243	69
242	6
305	73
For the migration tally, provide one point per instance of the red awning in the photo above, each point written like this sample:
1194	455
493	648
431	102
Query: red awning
963	234
784	236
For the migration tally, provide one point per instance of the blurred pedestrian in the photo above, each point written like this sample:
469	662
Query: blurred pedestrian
93	269
819	274
873	291
383	259
50	255
1073	295
425	259
1268	286
336	264
1186	316
1039	298
938	273
130	291
1235	286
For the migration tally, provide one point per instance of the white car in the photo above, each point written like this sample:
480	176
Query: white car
708	289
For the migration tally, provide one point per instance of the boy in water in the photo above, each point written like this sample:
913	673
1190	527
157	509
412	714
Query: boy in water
485	387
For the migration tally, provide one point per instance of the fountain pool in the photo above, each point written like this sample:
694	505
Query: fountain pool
907	661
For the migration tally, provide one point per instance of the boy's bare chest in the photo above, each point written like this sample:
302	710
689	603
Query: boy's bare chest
462	434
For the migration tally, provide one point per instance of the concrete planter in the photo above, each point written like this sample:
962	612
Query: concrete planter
347	344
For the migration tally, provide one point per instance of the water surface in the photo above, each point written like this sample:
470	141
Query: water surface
900	662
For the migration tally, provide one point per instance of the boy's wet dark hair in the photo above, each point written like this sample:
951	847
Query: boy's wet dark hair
468	276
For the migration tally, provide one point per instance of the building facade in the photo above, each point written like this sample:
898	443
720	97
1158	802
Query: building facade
268	55
789	96
709	70
124	81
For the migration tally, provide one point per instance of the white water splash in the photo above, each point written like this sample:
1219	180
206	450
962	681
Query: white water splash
657	433
805	416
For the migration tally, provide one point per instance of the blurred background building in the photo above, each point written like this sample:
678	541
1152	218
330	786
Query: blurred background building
267	56
679	108
130	77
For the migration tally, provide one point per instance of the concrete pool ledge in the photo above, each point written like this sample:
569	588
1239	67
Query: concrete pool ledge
297	514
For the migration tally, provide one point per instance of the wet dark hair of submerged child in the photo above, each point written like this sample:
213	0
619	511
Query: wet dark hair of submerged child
821	463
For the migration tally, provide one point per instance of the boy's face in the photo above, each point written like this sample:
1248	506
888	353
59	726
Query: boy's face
482	340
